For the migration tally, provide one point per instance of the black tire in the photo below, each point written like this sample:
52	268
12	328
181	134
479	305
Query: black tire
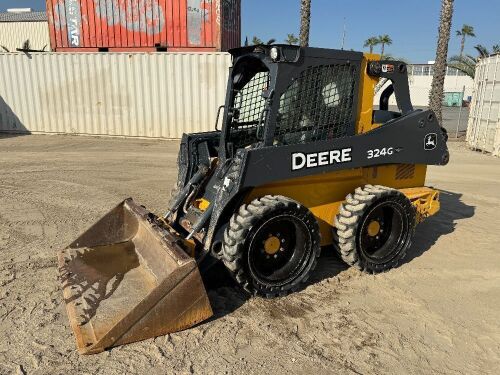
248	260
382	247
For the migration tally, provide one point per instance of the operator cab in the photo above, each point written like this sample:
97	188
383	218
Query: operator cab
285	95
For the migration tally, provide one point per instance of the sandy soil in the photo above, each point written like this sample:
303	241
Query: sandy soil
436	313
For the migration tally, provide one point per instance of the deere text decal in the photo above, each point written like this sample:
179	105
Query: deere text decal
320	159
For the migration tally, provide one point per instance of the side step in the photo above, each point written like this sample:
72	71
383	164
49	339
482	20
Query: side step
126	279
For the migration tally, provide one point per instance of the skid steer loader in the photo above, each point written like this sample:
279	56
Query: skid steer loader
302	160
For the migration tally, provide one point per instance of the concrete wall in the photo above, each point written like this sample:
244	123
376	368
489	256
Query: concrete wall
13	35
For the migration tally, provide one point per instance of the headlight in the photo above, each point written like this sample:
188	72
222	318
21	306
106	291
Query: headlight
275	54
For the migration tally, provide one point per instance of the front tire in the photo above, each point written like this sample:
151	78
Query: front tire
375	227
271	246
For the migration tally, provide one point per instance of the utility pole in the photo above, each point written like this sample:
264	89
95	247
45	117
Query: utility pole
343	35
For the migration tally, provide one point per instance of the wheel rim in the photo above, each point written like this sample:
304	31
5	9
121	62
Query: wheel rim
382	232
278	267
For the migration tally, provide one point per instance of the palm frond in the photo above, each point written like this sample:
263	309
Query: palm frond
482	50
465	64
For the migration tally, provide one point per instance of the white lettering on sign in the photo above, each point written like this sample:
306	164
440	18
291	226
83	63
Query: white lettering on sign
301	160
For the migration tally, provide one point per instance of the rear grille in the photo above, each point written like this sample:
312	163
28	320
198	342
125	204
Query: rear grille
405	171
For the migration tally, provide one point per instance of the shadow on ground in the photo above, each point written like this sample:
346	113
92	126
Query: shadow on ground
443	223
226	296
10	124
12	135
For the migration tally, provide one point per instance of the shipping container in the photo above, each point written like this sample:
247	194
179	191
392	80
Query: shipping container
483	131
150	95
17	28
144	25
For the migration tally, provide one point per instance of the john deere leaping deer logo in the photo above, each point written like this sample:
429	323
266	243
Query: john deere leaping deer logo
430	141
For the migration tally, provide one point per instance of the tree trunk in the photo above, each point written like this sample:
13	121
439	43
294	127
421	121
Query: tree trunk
371	49
462	46
383	49
437	88
305	22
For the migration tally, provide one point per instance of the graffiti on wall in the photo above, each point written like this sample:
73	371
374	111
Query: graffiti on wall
198	12
145	16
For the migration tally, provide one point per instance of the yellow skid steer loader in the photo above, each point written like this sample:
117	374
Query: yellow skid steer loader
302	160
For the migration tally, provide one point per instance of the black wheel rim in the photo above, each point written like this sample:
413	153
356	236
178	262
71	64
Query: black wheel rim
289	261
383	240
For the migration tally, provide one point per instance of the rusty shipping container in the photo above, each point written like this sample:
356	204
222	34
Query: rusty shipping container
144	25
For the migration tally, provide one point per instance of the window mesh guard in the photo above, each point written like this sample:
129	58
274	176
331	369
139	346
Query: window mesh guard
250	104
317	105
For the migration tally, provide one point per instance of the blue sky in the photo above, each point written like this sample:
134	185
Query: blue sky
411	24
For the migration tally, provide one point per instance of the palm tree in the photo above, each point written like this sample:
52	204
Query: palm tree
256	41
305	22
437	89
466	31
384	40
371	42
496	48
291	39
466	64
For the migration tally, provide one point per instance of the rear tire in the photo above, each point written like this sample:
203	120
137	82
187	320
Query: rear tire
271	246
375	227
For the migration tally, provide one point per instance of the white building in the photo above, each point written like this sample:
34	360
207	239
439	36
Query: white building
420	79
17	26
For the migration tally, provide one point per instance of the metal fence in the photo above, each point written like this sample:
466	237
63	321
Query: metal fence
483	130
157	95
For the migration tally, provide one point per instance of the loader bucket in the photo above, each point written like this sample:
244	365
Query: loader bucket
128	279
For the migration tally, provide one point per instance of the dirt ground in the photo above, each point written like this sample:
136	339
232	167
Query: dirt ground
436	313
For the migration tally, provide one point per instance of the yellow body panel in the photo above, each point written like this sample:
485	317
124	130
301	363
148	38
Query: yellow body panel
202	204
367	85
324	193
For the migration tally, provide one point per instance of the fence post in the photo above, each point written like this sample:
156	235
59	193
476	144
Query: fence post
460	112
